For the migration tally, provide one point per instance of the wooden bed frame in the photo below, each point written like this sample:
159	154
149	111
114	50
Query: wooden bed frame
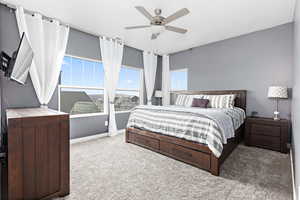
193	153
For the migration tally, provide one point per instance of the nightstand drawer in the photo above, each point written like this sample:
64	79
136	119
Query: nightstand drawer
262	129
266	142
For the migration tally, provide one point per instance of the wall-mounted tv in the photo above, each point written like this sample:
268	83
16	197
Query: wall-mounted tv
17	66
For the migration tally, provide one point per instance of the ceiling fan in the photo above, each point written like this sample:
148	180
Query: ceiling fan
159	20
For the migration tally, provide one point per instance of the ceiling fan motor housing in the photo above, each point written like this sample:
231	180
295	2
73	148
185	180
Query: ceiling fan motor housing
157	20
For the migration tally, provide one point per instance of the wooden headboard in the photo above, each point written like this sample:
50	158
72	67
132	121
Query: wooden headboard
240	101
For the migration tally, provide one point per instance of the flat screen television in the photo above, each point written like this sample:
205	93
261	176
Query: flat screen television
17	66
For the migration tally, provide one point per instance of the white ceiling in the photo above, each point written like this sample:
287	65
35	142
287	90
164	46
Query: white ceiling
208	21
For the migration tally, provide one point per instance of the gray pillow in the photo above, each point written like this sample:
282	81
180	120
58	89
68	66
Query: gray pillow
200	103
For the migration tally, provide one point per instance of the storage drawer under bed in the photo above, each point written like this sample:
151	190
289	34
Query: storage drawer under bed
144	141
197	158
190	156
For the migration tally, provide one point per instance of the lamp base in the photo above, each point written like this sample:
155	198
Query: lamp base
276	116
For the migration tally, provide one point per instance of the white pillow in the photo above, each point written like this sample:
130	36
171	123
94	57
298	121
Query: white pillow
186	100
182	100
220	101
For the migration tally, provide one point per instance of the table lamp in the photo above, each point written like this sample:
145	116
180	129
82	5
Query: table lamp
277	92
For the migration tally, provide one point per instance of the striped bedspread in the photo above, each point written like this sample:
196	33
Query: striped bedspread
210	126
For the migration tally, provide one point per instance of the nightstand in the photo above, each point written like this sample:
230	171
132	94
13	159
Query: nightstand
267	133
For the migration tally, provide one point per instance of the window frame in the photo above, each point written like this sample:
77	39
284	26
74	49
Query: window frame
105	96
105	110
140	90
187	78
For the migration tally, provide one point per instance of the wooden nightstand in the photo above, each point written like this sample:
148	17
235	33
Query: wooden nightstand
267	133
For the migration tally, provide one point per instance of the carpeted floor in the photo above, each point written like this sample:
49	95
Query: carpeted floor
110	169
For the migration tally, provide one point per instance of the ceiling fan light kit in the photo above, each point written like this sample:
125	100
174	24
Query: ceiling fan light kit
160	21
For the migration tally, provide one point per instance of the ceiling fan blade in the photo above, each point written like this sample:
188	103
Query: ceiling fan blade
154	36
180	13
144	12
176	29
134	27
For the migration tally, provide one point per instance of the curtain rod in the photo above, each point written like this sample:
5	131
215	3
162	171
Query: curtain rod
30	12
14	7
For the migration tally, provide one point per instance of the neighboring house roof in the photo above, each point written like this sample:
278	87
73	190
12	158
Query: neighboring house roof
76	102
82	107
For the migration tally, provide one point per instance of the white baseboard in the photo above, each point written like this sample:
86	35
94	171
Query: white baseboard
118	132
293	176
94	137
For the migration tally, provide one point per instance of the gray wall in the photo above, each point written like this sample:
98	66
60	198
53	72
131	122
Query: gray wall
79	44
87	46
13	94
252	62
296	101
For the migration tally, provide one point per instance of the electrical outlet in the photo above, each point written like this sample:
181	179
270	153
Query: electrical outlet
106	123
254	113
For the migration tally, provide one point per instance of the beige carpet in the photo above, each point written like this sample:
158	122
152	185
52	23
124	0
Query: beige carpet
110	169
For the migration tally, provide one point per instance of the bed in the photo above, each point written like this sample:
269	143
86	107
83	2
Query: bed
185	147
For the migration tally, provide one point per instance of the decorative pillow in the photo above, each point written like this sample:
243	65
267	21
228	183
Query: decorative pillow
191	98
201	103
220	101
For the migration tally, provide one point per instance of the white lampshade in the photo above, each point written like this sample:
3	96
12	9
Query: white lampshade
278	92
157	29
158	93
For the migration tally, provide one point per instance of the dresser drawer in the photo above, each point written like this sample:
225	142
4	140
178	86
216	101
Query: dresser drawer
263	129
268	142
197	158
144	141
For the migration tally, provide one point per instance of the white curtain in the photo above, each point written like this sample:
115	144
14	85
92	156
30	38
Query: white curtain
48	40
166	79
150	65
112	53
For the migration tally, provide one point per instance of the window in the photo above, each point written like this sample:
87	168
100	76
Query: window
82	91
82	86
130	89
178	79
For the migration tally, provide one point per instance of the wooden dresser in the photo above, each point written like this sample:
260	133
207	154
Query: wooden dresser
267	133
38	154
